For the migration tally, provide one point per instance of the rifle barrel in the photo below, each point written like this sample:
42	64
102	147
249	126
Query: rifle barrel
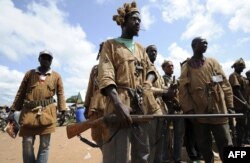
241	101
238	115
77	128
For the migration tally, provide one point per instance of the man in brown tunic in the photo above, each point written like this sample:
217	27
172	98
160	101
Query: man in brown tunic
123	69
248	99
38	112
156	107
239	85
95	103
248	86
204	89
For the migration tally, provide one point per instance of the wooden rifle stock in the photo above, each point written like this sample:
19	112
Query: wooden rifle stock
77	128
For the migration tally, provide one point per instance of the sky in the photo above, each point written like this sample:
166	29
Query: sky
73	29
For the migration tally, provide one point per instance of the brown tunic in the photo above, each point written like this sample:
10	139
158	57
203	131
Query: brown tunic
32	89
192	90
94	100
95	103
117	67
236	79
156	105
247	91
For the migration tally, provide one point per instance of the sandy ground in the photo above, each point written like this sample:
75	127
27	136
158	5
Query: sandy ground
62	149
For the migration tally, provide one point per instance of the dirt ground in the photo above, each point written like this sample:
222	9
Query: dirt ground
62	149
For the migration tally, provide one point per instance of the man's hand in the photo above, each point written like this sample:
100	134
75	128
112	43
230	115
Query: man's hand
10	117
230	111
247	106
122	112
170	94
147	85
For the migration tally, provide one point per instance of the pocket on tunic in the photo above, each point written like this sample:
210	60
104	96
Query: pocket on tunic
31	119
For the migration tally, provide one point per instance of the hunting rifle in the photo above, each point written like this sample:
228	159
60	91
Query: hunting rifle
241	101
77	128
231	122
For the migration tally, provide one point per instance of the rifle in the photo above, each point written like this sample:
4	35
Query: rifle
242	102
246	116
77	128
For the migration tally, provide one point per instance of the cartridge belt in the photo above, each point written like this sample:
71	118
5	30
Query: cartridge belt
36	103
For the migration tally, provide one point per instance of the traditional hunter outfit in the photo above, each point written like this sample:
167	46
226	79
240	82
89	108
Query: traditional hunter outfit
193	90
95	104
200	94
38	109
118	67
126	69
239	82
155	106
33	93
236	79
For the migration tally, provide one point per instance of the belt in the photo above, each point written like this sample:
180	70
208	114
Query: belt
36	103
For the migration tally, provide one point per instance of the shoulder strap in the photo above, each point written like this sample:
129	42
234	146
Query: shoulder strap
86	141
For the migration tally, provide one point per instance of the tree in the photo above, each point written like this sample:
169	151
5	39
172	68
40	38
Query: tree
72	99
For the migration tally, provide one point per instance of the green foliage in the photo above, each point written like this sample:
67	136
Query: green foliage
72	99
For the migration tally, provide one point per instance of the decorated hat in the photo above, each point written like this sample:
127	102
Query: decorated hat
123	11
239	63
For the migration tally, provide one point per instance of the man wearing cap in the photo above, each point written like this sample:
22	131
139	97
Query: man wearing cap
38	112
204	89
238	83
123	69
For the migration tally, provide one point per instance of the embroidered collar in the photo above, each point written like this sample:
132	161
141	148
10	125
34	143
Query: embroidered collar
129	43
196	63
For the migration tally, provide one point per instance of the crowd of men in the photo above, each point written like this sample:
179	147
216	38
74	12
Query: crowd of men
202	88
126	82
